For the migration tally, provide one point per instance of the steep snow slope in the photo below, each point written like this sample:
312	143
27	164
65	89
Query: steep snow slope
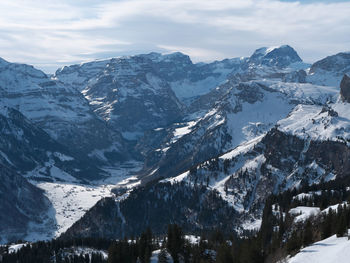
330	122
332	249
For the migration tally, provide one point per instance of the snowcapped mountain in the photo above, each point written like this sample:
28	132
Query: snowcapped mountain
281	56
215	139
232	113
139	93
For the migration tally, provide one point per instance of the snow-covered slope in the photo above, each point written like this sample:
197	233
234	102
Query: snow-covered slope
329	122
332	249
70	199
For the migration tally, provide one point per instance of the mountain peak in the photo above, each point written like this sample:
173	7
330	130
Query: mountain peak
171	57
280	56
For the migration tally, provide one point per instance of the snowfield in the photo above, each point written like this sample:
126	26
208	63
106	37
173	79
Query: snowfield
329	250
318	123
303	212
70	200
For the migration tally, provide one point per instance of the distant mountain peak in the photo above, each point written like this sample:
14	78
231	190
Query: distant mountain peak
280	56
171	57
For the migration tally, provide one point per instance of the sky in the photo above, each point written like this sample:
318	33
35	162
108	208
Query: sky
50	34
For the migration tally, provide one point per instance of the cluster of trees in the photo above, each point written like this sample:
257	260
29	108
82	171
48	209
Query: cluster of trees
56	251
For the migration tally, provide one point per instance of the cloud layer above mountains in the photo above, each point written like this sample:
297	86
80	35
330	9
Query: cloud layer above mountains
50	33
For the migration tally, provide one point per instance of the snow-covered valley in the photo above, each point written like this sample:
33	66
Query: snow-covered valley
70	199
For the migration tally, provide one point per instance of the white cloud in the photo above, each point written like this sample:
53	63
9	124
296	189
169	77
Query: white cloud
51	33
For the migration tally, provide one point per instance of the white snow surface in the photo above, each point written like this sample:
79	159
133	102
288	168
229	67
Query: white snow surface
330	250
254	224
15	247
311	122
302	213
70	200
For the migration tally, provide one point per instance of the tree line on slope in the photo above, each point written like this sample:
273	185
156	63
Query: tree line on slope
278	236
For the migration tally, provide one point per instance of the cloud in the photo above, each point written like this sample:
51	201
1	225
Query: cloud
51	33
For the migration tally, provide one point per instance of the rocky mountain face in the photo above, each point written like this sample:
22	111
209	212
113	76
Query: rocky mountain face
59	110
330	70
22	206
139	93
345	88
244	111
30	151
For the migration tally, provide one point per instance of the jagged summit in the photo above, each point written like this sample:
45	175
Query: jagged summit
158	57
280	56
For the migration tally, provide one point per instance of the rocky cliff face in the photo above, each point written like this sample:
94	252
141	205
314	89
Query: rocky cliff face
139	93
330	70
345	88
26	148
60	110
21	206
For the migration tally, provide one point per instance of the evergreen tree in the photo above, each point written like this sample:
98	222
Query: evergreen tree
175	242
163	256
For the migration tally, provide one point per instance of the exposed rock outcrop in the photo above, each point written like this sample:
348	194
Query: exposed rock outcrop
345	88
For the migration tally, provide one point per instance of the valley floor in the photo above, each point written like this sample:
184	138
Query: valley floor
71	200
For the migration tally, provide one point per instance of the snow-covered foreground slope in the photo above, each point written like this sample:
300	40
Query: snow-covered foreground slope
330	250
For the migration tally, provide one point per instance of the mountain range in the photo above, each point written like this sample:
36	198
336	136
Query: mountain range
108	148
